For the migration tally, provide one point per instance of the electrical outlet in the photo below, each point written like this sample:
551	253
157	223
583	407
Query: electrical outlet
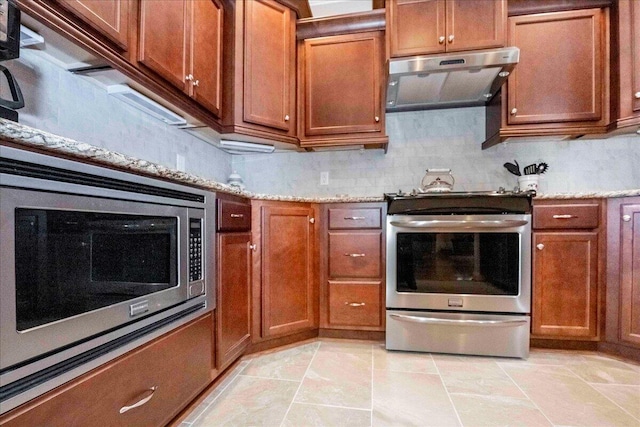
324	178
180	162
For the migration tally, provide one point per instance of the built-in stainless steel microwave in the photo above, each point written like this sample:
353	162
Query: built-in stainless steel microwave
90	259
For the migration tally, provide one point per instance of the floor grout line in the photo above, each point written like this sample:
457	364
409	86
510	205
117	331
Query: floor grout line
269	378
604	395
455	410
299	386
222	390
526	395
326	405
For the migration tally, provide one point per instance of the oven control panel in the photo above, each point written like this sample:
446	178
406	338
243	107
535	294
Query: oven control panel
195	249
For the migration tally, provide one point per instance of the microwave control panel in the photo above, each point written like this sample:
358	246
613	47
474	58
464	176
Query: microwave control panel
195	249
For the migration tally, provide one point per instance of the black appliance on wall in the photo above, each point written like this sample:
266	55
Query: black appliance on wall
10	49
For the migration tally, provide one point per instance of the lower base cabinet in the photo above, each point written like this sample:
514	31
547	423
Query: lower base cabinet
623	276
165	374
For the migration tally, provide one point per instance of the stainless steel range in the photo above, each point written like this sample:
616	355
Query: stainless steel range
459	272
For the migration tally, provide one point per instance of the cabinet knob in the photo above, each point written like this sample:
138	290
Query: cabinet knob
441	39
189	77
196	83
626	218
637	95
450	38
312	220
514	111
253	247
286	118
377	119
540	246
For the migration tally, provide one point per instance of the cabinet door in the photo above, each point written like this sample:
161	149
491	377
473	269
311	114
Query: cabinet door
163	39
416	27
233	304
342	84
635	50
110	17
206	53
288	294
269	64
475	24
630	274
565	284
560	75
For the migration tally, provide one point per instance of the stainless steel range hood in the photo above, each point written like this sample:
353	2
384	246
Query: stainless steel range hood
452	80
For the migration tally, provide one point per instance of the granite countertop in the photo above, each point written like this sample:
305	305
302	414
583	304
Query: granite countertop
29	137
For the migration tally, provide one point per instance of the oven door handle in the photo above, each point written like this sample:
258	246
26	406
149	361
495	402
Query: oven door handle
477	224
459	322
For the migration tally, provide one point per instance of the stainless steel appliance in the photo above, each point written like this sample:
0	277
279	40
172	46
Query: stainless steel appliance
459	273
92	261
459	79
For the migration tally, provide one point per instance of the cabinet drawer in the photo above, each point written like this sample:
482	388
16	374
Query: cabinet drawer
233	216
354	255
355	218
566	216
177	365
354	304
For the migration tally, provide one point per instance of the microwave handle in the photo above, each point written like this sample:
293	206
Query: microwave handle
475	224
461	322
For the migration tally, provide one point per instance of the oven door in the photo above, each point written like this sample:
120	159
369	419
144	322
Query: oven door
76	267
478	263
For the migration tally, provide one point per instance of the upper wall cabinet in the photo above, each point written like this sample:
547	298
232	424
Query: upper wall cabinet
417	27
260	70
340	94
181	41
109	17
561	90
629	62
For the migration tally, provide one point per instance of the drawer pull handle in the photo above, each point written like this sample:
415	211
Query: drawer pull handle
355	304
354	218
566	216
237	216
355	255
140	402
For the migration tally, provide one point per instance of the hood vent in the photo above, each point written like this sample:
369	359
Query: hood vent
446	81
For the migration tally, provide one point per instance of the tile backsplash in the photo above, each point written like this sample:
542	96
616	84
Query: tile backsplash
452	139
59	102
62	103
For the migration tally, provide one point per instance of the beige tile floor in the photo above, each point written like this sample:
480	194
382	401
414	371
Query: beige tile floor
349	383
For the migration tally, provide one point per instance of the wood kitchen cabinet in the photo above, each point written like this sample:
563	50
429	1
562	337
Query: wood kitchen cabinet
628	49
562	90
352	295
623	276
182	42
109	17
260	71
566	270
233	284
284	291
170	371
340	93
419	27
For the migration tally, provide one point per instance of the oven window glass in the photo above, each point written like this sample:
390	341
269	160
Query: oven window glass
458	263
68	263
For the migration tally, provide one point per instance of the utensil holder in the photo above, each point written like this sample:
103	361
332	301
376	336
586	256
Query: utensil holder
528	182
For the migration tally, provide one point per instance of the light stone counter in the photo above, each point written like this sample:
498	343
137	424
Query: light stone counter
28	137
